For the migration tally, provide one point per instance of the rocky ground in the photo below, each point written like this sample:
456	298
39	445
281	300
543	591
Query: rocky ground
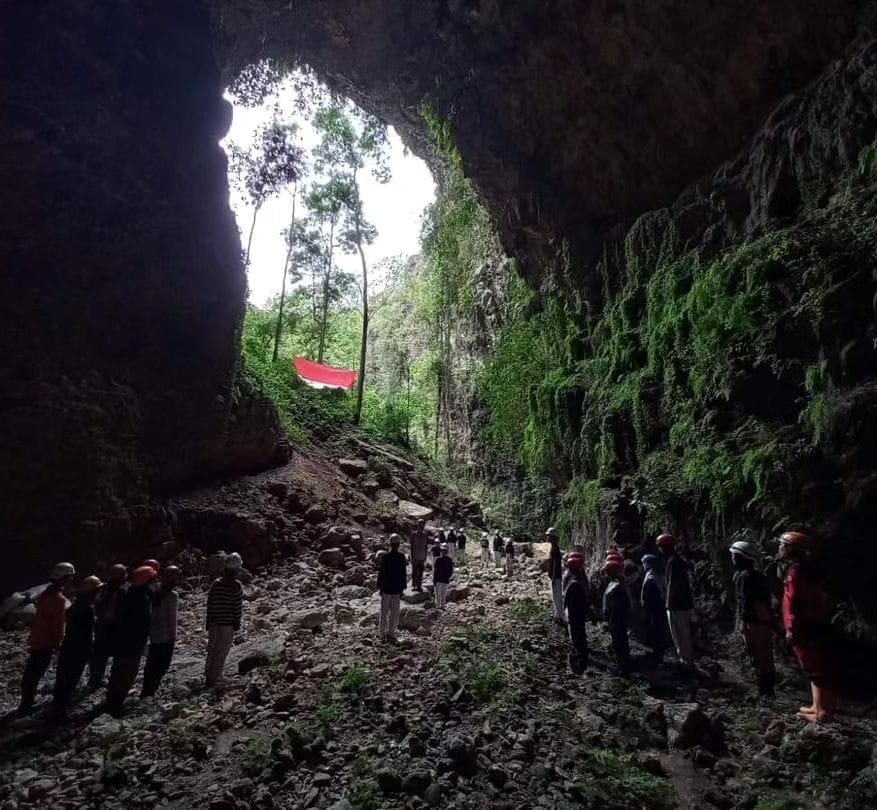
473	707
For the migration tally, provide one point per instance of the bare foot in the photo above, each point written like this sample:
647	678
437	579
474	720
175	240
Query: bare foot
815	717
807	710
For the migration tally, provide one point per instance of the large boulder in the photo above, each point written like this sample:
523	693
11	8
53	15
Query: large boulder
315	514
353	466
415	511
332	558
309	619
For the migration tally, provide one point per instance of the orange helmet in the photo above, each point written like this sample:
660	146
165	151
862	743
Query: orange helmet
665	540
575	561
613	566
142	575
793	539
155	565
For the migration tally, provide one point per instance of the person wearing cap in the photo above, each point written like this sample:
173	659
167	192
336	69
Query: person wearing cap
419	547
576	603
441	577
225	607
498	548
616	610
461	546
155	565
653	601
485	550
555	573
162	631
806	609
106	610
77	646
129	640
509	557
678	599
46	633
392	578
754	615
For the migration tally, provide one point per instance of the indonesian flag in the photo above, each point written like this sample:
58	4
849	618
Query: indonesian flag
318	375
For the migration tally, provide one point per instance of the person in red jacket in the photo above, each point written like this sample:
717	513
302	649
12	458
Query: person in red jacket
805	616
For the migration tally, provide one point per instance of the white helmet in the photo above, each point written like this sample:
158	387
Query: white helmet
744	549
444	546
551	532
395	539
62	570
233	562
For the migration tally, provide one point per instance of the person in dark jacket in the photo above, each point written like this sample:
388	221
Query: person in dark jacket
509	557
77	646
162	632
754	615
678	599
461	546
653	603
130	637
441	577
392	578
484	542
616	610
498	548
225	608
106	610
555	573
419	548
576	604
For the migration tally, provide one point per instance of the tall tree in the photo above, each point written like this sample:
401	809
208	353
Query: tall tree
288	271
342	153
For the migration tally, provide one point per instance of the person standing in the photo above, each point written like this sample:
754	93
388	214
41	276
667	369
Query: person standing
555	573
419	547
485	550
46	633
653	600
77	646
678	601
225	607
509	557
441	577
616	609
106	610
806	609
461	546
498	549
754	615
392	578
576	601
451	540
162	632
129	639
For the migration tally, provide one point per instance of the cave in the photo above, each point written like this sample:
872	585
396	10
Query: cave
122	284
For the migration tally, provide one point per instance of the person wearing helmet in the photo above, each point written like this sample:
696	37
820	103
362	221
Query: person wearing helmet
135	616
419	547
616	610
509	557
678	599
46	633
155	565
162	631
485	550
436	548
806	609
225	607
653	601
555	573
441	577
576	603
77	646
754	615
461	546
392	578
451	540
106	610
498	548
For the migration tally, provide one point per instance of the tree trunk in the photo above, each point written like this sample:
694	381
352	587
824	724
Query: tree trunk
283	283
363	345
327	278
256	208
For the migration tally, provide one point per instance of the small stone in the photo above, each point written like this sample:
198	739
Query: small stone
497	776
353	466
309	619
433	795
332	558
315	514
322	780
416	783
388	781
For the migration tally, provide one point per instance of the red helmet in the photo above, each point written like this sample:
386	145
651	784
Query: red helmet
614	555
665	540
142	575
793	539
613	566
575	561
155	565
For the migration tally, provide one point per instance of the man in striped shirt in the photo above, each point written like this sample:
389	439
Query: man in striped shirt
225	604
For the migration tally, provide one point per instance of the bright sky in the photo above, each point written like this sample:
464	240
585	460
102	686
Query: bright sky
394	208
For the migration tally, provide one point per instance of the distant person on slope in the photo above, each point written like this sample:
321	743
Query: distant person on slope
46	633
616	609
461	546
498	549
106	611
575	601
77	646
555	573
162	632
806	609
129	640
419	547
509	557
441	577
679	601
225	607
754	619
653	600
392	578
485	550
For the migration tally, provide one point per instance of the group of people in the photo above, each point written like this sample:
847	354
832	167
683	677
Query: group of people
666	604
113	623
503	552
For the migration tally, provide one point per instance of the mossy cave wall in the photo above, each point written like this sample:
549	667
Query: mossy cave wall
714	355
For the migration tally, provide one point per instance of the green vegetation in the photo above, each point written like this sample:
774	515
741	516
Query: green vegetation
339	695
616	782
526	610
